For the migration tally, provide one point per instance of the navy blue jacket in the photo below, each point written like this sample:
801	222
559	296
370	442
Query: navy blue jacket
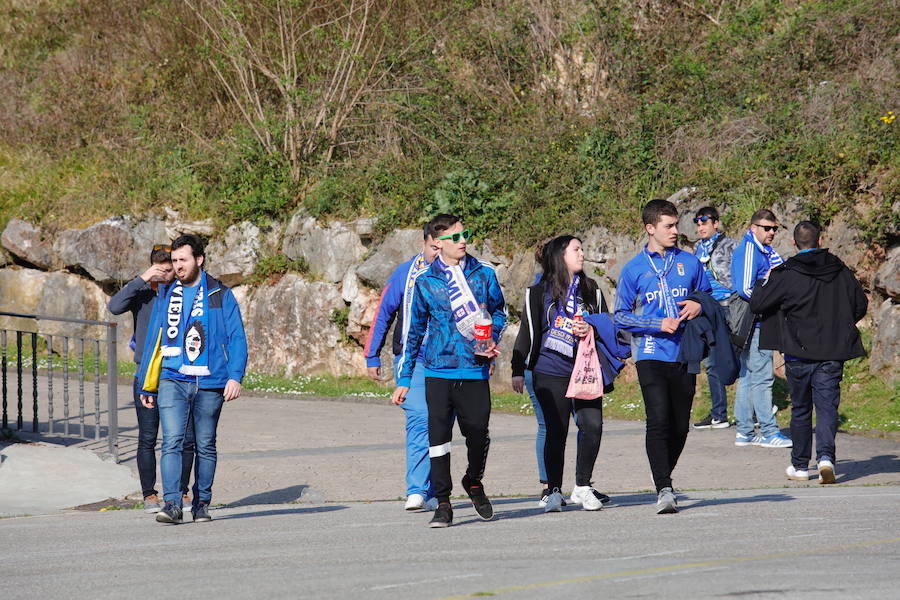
706	334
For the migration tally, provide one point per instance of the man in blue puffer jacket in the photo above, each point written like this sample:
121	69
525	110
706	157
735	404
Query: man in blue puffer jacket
197	324
447	301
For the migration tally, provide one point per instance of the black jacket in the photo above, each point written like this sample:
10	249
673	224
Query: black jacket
809	307
709	334
529	337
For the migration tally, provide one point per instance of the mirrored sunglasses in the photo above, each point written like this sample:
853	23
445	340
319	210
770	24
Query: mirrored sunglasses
702	219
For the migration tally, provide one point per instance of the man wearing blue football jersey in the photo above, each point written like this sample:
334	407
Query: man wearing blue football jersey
752	261
651	303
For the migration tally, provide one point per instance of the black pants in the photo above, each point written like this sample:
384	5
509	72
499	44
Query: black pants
470	400
814	384
551	394
668	391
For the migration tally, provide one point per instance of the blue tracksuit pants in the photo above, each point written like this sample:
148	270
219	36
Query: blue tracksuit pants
418	463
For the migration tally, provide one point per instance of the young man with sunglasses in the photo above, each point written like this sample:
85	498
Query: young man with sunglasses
714	250
137	297
753	259
447	301
394	303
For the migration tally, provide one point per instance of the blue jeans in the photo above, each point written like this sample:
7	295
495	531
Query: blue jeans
180	402
418	463
814	384
717	394
541	439
148	428
754	390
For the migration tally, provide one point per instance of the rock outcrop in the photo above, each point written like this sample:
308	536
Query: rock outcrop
30	244
329	250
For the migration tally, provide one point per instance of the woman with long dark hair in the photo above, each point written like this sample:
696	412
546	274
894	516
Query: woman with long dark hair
547	344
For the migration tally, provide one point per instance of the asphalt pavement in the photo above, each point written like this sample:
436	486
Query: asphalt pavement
308	503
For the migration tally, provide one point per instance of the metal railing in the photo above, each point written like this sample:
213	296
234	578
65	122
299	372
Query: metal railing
61	342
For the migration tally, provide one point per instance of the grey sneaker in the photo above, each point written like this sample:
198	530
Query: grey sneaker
152	505
170	514
666	502
201	513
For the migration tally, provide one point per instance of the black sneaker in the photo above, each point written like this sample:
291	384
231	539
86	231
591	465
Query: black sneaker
443	516
603	498
705	423
201	513
170	514
479	500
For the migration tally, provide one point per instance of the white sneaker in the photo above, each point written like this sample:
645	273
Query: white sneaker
415	502
554	501
797	474
826	471
584	495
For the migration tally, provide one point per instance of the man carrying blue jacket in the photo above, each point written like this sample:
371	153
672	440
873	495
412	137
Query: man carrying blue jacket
197	324
447	302
395	300
752	260
651	303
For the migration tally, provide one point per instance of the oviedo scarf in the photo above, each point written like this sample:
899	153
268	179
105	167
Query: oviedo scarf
417	267
560	337
462	301
666	300
187	337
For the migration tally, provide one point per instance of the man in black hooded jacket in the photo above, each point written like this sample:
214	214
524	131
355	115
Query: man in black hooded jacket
810	306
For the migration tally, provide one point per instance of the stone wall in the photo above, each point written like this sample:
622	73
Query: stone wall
318	322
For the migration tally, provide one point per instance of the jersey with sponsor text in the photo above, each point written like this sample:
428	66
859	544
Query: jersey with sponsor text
640	309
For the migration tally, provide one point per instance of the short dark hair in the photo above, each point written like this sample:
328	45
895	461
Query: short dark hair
160	255
655	209
806	235
440	224
708	211
191	240
763	214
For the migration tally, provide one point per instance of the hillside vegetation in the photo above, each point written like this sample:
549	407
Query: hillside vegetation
526	116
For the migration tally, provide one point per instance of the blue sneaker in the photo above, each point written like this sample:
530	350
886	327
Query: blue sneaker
776	440
744	440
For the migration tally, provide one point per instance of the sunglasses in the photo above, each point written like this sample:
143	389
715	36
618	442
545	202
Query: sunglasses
702	219
165	247
465	234
767	228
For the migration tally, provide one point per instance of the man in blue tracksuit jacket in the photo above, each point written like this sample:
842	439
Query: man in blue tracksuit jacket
752	260
651	303
197	324
447	302
395	301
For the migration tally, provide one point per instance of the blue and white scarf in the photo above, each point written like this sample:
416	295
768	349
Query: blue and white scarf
773	256
417	267
560	338
187	337
462	300
704	248
666	300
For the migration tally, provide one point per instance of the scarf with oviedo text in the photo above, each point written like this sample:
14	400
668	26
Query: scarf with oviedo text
462	300
666	300
560	337
188	336
417	267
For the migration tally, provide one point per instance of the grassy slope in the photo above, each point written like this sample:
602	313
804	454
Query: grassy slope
572	112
